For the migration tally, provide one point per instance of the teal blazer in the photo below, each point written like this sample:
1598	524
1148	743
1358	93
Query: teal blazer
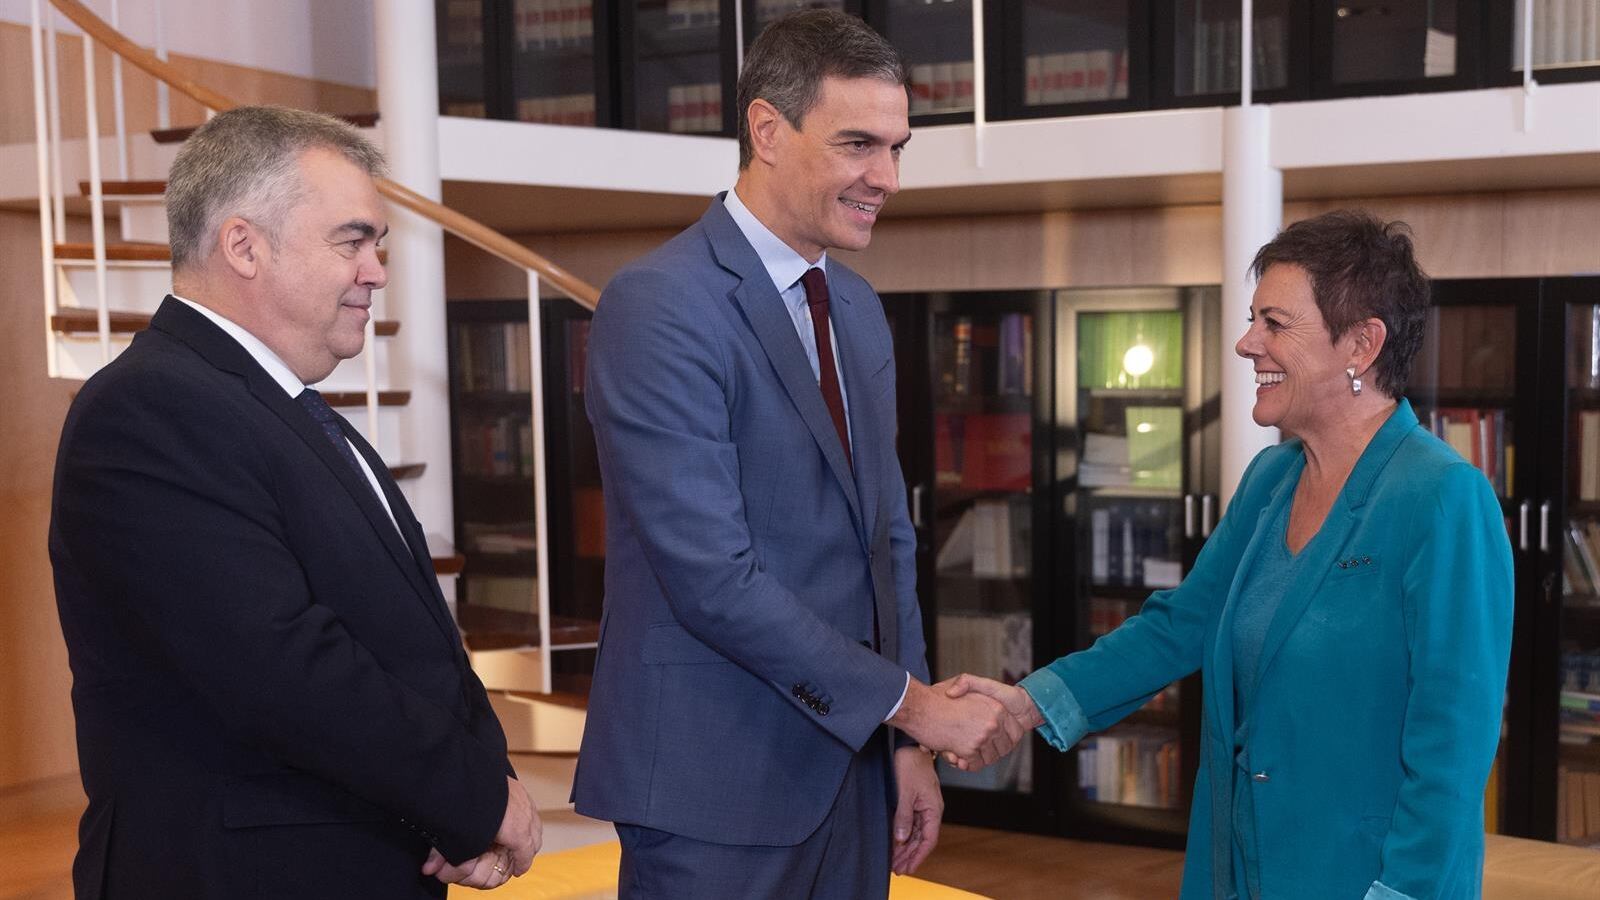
1381	679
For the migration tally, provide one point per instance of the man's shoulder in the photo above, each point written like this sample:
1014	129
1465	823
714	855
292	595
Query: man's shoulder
683	270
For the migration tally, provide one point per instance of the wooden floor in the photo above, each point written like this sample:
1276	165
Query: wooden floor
37	852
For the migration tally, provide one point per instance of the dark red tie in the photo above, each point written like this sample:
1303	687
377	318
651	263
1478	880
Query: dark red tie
816	285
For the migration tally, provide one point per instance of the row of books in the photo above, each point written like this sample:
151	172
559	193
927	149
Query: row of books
467	109
1149	454
995	646
1577	806
694	108
1469	348
983	451
993	538
1105	616
1480	436
682	14
1133	766
1581	563
767	10
941	87
1136	545
1580	716
577	354
571	109
463	23
1564	32
1583	355
554	24
986	358
1586	455
500	447
1077	77
500	538
1217	48
494	357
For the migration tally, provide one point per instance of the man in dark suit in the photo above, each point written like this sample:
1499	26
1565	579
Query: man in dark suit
271	698
761	629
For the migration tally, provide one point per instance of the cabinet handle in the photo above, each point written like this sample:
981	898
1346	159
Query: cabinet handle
1544	527
1207	502
1522	529
1188	515
916	506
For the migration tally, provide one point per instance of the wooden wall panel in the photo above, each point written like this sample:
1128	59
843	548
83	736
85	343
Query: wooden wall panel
36	730
1552	233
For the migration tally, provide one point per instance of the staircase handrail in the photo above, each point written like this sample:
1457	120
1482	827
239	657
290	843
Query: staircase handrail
462	226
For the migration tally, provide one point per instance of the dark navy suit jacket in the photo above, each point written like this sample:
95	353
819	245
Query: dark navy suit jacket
747	564
271	698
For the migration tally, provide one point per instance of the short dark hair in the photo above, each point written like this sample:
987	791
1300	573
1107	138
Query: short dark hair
1360	267
787	63
246	162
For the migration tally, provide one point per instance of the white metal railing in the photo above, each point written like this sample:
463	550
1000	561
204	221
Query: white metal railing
52	231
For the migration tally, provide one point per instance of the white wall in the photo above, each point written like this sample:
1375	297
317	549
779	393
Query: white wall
328	41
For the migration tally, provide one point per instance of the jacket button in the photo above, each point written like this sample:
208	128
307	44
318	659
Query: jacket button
798	690
1261	777
821	708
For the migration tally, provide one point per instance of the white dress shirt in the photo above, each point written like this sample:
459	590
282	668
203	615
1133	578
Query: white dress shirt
785	266
287	380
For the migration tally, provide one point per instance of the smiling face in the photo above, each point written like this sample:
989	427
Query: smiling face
318	280
1300	373
831	177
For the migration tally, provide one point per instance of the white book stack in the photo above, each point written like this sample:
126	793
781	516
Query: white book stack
1565	33
694	108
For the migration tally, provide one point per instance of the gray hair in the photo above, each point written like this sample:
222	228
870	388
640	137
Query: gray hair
246	163
787	63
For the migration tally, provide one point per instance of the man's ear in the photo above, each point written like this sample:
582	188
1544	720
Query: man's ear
768	128
243	246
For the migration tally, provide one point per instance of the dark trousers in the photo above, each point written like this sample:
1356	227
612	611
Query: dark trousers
847	857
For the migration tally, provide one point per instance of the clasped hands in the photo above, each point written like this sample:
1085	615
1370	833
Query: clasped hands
519	838
971	721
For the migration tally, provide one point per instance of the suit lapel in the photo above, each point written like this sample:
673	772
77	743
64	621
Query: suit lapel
226	354
1330	540
855	365
763	309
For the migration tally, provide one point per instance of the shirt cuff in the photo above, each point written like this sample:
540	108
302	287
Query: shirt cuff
1381	891
1064	721
901	702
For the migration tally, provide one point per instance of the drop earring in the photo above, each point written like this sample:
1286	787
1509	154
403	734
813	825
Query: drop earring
1355	383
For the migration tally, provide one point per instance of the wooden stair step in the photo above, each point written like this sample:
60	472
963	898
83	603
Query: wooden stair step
126	188
446	561
73	320
405	471
120	252
179	135
558	698
359	398
140	252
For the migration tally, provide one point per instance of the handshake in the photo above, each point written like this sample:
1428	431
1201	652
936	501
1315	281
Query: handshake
971	721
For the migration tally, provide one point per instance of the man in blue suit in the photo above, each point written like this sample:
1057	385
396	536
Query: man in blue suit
761	632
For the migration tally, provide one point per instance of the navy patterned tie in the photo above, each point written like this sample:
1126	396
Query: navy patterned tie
328	421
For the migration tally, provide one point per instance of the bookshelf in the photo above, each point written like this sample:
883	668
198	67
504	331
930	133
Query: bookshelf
544	61
492	475
677	65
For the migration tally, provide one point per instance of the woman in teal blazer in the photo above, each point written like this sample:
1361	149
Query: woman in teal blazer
1351	614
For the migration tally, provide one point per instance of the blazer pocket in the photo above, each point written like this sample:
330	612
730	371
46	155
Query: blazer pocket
1354	565
290	798
668	644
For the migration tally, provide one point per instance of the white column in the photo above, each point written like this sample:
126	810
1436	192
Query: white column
408	110
1252	212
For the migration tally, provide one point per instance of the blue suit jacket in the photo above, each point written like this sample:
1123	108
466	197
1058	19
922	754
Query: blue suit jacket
1381	678
745	560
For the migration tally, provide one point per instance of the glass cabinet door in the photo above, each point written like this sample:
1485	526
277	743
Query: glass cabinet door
758	14
1468	385
1131	424
553	61
1407	44
460	34
1206	46
935	41
678	65
1578	535
1073	51
982	503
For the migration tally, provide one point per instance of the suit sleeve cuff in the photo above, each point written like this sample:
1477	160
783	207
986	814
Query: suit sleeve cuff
1381	891
1064	721
902	700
